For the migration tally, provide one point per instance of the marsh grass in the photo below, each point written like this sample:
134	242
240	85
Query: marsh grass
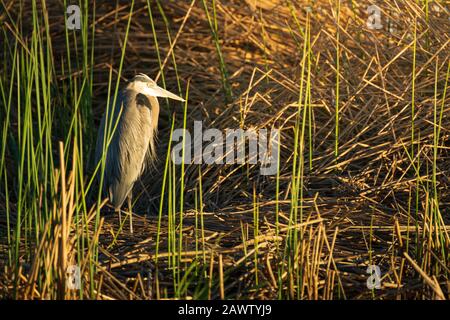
364	118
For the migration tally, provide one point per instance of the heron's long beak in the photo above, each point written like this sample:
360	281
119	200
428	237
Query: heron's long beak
160	92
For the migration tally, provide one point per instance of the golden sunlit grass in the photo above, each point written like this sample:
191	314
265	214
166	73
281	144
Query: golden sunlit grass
364	160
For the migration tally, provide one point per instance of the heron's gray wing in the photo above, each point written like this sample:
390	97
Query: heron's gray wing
109	127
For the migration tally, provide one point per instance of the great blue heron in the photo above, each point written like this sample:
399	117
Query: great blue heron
134	123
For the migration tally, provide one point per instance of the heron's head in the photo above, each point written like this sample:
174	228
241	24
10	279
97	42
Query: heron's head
147	86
